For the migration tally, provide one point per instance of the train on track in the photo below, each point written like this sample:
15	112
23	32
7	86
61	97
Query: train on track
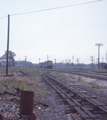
11	62
47	64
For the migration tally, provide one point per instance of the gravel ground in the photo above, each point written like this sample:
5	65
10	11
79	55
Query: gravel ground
91	86
56	111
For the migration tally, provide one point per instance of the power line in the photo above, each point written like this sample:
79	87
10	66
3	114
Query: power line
56	8
53	8
3	17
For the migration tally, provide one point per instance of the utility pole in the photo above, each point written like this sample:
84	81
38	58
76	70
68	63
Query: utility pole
99	44
96	61
102	59
55	63
72	59
106	56
39	60
25	58
62	62
47	57
39	63
7	44
77	60
92	59
69	62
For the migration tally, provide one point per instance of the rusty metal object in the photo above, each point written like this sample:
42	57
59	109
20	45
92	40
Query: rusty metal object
10	110
29	117
26	102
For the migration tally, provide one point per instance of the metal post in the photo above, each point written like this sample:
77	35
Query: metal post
98	56
7	45
99	44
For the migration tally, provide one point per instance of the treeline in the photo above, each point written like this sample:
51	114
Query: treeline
22	63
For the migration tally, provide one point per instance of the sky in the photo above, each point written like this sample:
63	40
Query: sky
57	33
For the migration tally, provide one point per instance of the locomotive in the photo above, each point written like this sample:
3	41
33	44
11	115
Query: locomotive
47	64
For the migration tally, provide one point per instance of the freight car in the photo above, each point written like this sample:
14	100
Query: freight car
11	62
47	64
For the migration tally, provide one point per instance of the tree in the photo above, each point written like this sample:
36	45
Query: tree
10	55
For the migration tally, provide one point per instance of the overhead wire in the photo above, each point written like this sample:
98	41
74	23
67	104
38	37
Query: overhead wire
53	8
3	17
56	8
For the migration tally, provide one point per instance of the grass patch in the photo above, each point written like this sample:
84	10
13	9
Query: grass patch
80	79
34	75
13	83
94	85
72	77
98	86
91	83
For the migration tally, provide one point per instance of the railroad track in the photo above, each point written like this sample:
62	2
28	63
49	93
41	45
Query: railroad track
96	75
87	107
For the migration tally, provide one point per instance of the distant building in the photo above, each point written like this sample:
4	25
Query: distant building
103	65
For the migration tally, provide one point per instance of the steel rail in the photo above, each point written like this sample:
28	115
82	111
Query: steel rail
72	100
91	75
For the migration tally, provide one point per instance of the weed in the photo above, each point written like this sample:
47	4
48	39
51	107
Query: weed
13	83
23	87
96	86
72	77
38	89
80	79
91	83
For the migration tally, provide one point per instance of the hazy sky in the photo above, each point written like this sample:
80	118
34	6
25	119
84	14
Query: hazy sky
58	33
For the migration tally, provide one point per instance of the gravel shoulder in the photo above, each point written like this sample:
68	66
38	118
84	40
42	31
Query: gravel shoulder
54	109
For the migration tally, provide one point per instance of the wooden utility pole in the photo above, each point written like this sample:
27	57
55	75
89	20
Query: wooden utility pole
99	44
55	63
47	57
8	30
102	59
25	58
77	60
72	59
92	59
39	62
106	56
